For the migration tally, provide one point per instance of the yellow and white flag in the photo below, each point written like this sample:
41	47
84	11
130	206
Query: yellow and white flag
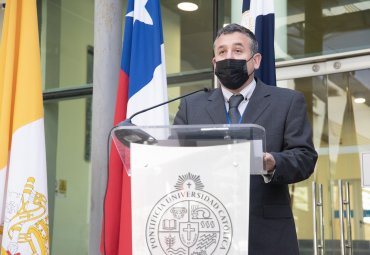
23	183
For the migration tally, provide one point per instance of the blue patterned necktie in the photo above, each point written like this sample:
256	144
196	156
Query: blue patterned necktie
234	114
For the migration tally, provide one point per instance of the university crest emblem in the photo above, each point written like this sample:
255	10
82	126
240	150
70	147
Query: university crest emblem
189	221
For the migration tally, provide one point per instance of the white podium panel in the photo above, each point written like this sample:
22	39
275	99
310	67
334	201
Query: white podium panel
190	200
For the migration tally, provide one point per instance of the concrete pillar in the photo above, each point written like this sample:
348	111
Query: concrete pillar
107	56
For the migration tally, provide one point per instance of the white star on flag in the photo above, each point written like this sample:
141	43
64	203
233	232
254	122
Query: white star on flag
140	13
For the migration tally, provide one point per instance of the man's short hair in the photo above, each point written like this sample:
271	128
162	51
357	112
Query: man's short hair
232	28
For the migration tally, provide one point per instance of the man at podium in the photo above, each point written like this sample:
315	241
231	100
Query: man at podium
290	157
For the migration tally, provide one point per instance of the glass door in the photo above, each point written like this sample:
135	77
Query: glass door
338	104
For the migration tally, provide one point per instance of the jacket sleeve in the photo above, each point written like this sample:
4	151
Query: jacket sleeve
296	161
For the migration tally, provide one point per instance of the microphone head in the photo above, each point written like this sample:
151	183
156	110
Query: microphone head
205	89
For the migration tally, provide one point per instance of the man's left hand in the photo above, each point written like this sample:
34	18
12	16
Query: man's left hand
269	162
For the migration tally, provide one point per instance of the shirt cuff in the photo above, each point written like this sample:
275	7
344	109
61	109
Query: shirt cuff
268	177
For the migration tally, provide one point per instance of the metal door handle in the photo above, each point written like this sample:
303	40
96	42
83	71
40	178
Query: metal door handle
314	218
345	244
342	246
321	220
348	212
318	203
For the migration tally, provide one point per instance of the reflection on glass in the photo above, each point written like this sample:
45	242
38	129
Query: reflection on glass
349	135
314	28
366	212
340	132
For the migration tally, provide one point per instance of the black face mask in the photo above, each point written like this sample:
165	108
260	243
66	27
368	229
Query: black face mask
232	73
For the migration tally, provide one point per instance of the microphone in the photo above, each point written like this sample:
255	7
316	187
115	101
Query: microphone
127	136
128	122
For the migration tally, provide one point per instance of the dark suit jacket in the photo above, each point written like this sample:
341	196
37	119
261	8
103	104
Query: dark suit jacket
282	112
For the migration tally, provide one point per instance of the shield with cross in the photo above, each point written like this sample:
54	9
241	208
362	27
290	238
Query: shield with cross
189	232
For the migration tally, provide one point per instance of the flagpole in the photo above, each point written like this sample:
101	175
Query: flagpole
107	57
2	8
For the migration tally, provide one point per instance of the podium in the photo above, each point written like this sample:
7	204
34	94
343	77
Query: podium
190	186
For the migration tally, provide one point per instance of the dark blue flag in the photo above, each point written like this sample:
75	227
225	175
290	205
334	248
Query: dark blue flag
259	17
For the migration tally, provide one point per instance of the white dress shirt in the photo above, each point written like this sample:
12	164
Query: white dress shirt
246	93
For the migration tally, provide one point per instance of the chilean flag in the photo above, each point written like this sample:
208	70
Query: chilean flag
142	84
258	16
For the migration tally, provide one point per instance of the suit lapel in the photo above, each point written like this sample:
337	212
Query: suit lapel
216	107
258	103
